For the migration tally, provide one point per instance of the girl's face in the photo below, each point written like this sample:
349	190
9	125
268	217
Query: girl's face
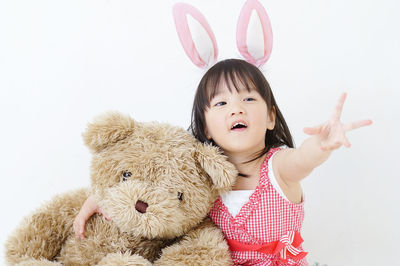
237	121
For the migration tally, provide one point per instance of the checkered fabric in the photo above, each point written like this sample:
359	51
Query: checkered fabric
266	217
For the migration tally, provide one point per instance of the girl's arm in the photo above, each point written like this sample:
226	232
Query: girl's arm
89	208
292	165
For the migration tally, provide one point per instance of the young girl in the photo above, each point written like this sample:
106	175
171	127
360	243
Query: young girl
262	216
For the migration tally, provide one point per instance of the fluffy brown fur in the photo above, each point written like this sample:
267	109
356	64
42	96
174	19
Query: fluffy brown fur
175	175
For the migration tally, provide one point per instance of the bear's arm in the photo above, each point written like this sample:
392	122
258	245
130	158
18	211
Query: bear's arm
204	245
41	234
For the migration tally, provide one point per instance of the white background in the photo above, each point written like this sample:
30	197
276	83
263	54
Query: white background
64	62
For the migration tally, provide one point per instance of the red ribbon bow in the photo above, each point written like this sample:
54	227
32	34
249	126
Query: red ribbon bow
286	247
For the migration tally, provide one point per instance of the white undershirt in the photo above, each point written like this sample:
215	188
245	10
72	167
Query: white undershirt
235	199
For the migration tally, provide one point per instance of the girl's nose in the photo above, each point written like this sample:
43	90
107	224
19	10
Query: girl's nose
237	109
236	113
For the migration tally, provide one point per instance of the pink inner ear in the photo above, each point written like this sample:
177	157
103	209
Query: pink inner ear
242	27
180	11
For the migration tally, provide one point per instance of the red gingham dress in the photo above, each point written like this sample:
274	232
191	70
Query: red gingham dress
266	217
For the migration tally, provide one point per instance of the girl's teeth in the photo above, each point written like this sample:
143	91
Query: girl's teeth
239	125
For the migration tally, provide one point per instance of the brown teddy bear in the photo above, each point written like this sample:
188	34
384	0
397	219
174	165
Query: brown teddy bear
156	182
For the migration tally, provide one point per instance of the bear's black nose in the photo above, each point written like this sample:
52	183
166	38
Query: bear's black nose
141	206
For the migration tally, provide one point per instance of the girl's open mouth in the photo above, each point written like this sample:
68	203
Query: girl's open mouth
239	126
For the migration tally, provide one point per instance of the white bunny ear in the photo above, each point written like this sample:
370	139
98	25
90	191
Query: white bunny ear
195	34
254	33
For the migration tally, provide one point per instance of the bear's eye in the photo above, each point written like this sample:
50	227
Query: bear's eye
180	196
126	175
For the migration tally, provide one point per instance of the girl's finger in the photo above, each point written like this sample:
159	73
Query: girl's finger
313	130
339	107
334	146
100	211
357	124
325	130
76	232
346	143
79	228
76	228
310	130
81	236
331	146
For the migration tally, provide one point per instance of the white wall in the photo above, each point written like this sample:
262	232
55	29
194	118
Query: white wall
63	62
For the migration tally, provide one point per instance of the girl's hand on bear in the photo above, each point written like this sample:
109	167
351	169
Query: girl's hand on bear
333	133
89	208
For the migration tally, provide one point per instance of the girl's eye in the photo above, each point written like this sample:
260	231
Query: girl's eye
249	99
126	175
220	103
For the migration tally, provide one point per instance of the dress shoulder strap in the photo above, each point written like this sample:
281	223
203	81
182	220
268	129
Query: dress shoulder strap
264	180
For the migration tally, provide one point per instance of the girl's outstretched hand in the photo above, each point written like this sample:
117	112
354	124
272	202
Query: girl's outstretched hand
89	208
333	133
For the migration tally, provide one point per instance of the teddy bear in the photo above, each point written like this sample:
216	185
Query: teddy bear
155	181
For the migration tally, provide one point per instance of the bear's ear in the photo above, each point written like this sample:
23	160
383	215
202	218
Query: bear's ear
106	130
222	173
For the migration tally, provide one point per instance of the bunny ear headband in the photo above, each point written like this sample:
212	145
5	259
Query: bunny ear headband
253	34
